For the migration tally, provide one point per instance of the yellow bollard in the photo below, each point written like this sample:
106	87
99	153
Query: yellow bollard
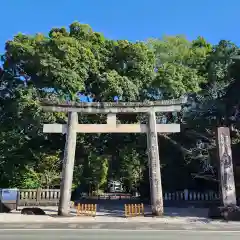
87	209
95	210
139	209
91	210
133	210
127	210
78	209
82	208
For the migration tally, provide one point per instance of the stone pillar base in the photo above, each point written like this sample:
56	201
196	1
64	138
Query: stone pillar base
230	213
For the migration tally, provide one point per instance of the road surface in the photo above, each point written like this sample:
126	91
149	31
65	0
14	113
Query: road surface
87	234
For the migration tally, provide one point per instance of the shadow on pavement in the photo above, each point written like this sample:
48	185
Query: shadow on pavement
115	208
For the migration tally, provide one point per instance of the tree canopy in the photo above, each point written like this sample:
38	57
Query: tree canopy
82	60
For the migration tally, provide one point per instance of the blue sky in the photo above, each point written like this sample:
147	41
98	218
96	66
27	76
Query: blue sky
132	19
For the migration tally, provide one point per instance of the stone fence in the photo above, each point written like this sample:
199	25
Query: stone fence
38	196
51	197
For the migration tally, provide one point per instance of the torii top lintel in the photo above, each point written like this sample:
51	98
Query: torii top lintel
113	107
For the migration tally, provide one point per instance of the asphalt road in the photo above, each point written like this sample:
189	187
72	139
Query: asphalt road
71	234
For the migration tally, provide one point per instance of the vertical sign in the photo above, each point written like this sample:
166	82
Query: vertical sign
227	184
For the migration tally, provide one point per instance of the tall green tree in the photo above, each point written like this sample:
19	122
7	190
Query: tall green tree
80	59
179	64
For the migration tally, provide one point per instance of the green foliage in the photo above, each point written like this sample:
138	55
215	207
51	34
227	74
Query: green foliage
81	59
132	166
95	171
178	63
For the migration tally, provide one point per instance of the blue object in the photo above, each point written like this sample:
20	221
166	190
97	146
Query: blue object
116	98
49	90
8	194
90	99
22	78
83	98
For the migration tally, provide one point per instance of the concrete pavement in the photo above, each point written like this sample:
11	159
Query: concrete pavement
124	225
175	219
117	210
67	234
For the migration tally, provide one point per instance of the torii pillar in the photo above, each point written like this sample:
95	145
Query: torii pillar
111	109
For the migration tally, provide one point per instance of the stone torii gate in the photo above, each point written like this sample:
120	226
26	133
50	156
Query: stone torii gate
111	109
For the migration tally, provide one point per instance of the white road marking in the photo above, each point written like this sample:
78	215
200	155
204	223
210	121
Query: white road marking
126	230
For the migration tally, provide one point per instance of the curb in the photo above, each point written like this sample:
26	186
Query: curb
120	226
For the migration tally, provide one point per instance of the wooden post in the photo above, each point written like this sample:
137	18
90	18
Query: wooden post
154	167
68	165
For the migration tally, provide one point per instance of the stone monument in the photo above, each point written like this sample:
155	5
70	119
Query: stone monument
228	208
227	183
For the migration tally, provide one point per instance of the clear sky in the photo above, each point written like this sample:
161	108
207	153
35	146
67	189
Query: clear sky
132	19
